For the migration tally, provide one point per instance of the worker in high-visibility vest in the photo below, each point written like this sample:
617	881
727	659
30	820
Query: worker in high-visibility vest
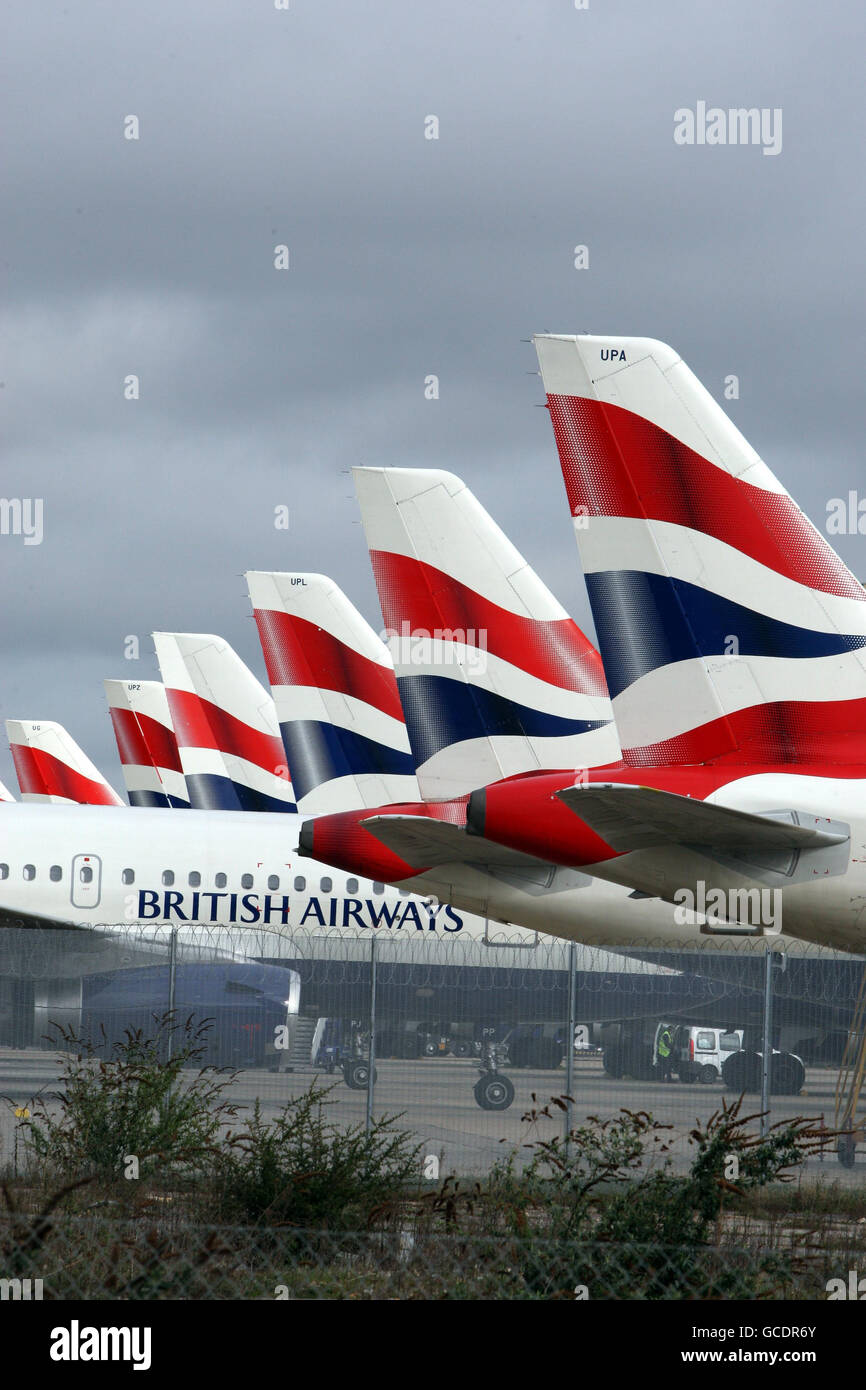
664	1051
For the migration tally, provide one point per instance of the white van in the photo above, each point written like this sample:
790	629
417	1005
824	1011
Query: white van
698	1053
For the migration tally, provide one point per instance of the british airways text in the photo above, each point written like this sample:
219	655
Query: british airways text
246	908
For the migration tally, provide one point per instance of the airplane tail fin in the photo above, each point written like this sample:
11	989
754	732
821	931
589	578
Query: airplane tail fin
495	679
152	771
335	693
225	724
730	629
51	767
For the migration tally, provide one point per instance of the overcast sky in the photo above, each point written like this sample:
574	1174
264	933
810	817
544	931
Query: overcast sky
408	257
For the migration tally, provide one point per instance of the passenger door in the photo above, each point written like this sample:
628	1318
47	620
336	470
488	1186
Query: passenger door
86	880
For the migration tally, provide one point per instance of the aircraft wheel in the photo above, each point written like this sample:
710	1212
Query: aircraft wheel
787	1075
494	1092
356	1075
741	1071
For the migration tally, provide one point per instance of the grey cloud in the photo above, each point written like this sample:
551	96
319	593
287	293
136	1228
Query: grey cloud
407	257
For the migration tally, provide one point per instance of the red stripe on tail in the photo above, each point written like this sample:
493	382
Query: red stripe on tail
616	463
41	774
555	651
774	735
297	652
143	741
200	724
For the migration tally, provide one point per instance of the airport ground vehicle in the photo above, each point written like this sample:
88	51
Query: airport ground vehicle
732	1055
537	1045
741	1071
699	1053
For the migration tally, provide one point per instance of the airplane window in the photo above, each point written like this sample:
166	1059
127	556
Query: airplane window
85	873
351	885
300	883
168	877
378	887
246	880
55	873
128	876
195	879
326	885
29	872
273	882
4	870
220	880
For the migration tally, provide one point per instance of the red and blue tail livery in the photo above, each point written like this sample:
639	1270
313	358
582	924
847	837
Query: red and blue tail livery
495	679
52	768
225	725
729	628
335	694
143	730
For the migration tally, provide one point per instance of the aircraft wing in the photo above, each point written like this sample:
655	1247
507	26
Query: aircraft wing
633	818
34	921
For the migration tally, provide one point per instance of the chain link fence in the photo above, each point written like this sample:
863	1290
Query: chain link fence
95	1258
456	1035
465	1042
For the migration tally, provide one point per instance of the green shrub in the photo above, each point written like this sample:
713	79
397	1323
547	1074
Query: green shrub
136	1101
649	1232
299	1169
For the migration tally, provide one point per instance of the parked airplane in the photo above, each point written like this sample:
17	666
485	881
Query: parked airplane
131	878
226	727
495	678
202	894
459	653
733	635
336	698
51	767
146	743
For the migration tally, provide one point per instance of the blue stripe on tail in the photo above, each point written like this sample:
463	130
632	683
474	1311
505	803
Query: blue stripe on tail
440	712
211	793
645	621
319	752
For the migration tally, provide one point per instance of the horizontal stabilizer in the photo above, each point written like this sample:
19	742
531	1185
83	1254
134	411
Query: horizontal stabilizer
633	818
427	843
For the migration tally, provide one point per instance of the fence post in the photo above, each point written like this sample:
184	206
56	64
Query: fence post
774	960
371	1069
767	1040
568	1119
172	984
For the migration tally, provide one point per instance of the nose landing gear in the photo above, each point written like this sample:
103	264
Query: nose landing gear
492	1090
